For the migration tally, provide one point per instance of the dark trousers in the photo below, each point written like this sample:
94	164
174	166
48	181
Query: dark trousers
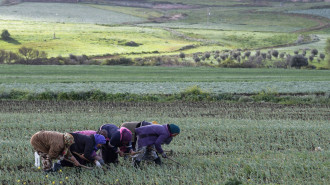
109	155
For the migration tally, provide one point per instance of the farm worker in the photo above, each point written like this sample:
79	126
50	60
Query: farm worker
92	132
51	145
133	125
117	138
149	140
83	148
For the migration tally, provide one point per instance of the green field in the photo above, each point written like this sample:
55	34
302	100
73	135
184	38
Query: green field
254	143
73	74
61	29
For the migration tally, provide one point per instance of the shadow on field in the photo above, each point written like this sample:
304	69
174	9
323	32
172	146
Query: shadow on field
13	41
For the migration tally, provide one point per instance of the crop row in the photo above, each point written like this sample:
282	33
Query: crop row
255	143
171	87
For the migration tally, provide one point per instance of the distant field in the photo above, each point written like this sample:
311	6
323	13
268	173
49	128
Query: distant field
230	18
134	11
319	12
67	13
102	30
77	74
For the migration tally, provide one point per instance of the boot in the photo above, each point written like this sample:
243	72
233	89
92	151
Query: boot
137	164
158	161
56	166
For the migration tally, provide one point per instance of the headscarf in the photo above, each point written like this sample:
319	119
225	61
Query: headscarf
68	141
174	129
125	135
99	139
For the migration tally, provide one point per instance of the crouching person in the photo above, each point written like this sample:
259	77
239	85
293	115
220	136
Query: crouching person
118	138
51	145
149	141
104	133
132	126
84	147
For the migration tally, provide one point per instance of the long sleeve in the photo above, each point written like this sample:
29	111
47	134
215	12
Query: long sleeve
158	144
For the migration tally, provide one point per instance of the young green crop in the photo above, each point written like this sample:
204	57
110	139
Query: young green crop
256	143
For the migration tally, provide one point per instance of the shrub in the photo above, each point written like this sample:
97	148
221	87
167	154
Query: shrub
132	44
247	54
182	55
207	55
311	58
269	56
257	53
187	47
31	54
194	93
197	59
275	53
5	35
229	63
223	57
235	55
280	64
314	52
3	56
120	61
298	61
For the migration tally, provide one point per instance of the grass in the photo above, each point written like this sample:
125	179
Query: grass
87	39
256	143
71	74
229	18
242	39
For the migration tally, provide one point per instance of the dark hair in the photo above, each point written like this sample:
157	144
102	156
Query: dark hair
103	133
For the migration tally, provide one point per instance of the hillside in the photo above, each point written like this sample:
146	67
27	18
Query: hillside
141	29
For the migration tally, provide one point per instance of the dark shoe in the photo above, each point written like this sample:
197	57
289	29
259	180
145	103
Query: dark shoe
137	164
56	167
158	161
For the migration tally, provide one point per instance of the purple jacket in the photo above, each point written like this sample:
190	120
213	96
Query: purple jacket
153	135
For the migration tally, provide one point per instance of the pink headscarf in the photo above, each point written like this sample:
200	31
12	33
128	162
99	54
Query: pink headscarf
125	134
